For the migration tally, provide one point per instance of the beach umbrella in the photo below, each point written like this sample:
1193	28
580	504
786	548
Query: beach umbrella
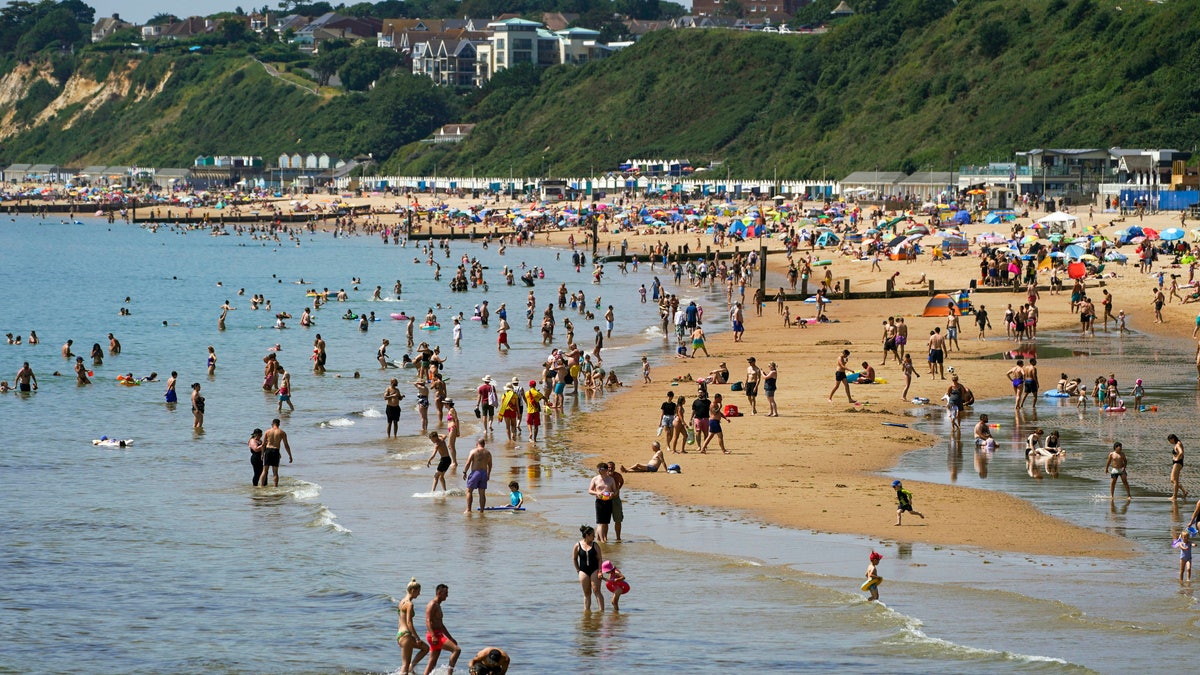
1057	254
1137	240
1074	251
1124	233
1115	257
813	300
1089	257
1172	234
1029	239
1150	232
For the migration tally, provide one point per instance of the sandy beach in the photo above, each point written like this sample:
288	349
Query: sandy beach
815	467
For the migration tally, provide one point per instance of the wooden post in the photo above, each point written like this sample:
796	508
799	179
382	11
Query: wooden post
762	270
931	291
846	288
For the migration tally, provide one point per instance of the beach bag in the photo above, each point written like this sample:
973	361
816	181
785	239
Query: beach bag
691	436
736	386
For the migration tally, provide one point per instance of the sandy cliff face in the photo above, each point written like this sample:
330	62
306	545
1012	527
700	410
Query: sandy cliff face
78	89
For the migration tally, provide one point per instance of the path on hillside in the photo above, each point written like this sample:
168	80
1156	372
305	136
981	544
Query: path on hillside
275	73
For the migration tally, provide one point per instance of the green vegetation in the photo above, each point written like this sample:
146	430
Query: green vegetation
901	85
212	105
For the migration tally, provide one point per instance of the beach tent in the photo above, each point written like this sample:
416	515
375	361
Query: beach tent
1077	270
941	305
827	239
1058	217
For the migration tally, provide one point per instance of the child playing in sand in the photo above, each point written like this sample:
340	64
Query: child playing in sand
873	576
1121	322
645	370
904	502
614	581
1184	543
1138	392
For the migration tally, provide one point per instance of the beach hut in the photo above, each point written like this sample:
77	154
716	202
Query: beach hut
941	305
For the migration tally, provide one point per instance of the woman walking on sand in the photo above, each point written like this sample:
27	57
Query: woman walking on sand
679	440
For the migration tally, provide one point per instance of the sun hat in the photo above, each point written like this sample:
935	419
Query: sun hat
607	567
487	378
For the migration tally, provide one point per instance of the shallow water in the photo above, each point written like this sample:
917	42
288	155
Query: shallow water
162	558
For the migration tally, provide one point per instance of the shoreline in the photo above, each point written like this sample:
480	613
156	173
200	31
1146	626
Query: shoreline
812	468
786	471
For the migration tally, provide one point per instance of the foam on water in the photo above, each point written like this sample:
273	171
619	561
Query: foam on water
440	494
303	490
911	634
336	423
370	413
327	519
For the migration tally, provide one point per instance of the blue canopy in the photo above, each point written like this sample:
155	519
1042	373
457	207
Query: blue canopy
827	239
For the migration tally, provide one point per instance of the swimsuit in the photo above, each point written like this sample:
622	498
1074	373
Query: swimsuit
271	457
436	640
443	464
587	561
604	512
477	479
393	413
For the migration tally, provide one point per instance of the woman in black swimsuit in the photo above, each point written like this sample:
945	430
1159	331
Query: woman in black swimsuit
587	557
1176	467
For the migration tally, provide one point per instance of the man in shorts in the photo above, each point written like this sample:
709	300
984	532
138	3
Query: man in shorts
700	412
25	377
618	514
436	633
273	439
839	376
602	488
533	410
753	378
937	354
391	399
901	336
1030	384
485	401
476	472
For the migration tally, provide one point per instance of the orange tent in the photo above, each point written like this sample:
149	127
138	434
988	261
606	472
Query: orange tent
941	305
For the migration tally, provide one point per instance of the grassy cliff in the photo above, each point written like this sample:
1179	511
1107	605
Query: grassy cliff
907	84
902	84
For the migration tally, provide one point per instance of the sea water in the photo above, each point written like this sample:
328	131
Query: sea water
161	557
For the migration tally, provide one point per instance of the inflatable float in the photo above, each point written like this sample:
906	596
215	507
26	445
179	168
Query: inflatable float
871	583
503	508
1055	393
400	317
618	584
128	381
107	442
430	326
1115	408
822	263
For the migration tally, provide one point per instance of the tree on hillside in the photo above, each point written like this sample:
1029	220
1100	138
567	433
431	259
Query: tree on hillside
162	19
389	9
333	54
56	29
365	65
235	30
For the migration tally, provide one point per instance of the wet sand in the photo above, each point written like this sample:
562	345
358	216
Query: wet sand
815	466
